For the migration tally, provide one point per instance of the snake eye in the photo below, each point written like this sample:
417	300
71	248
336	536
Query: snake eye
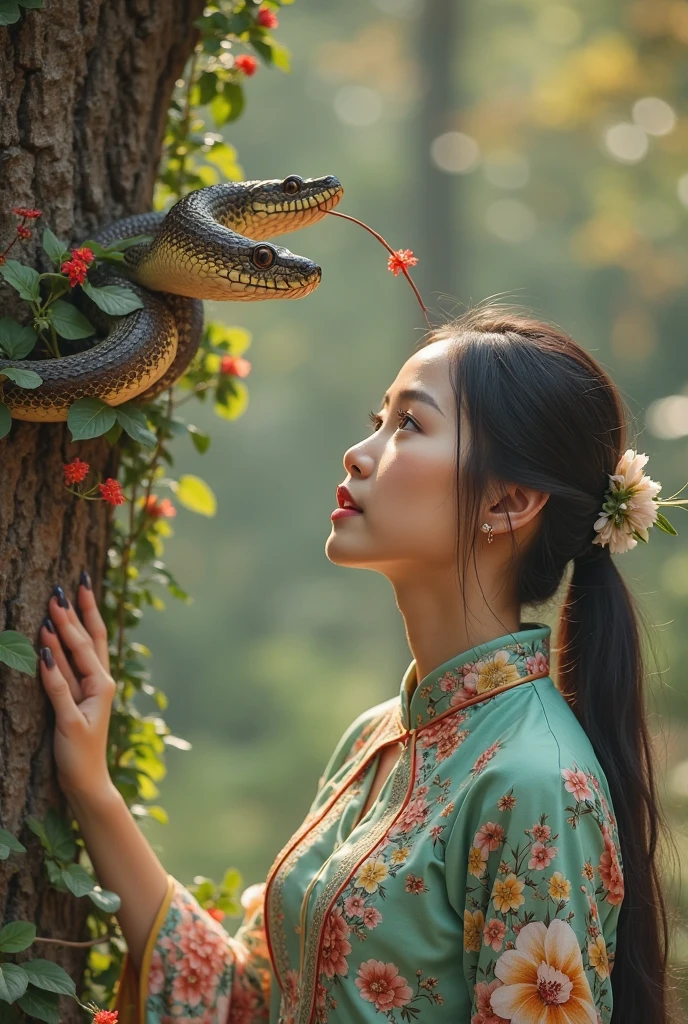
263	256
292	184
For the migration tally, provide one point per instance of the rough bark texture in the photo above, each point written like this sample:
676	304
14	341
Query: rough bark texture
84	91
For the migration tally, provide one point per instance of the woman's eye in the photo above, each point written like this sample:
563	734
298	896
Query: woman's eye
402	417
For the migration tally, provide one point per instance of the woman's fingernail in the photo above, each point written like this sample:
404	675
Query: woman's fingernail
47	656
49	624
61	597
86	579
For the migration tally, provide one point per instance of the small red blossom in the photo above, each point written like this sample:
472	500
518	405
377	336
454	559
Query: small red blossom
157	508
235	365
23	232
76	270
25	211
75	471
83	254
111	492
400	259
105	1017
267	18
216	913
246	63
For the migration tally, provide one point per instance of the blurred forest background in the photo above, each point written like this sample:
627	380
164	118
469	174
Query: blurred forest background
528	148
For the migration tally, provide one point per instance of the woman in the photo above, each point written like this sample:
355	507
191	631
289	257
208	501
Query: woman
462	859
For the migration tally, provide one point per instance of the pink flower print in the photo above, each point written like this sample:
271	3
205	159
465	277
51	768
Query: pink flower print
335	945
380	984
445	735
541	832
486	1014
156	974
415	814
371	917
421	791
354	906
506	802
489	836
493	934
191	987
436	831
486	756
610	870
448	682
244	1001
542	856
576	782
538	665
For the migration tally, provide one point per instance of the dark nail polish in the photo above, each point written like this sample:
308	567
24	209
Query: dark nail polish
61	597
86	579
49	624
47	656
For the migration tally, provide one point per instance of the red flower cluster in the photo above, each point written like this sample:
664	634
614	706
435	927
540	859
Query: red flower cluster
156	508
23	232
77	267
246	63
400	259
235	365
216	913
75	471
267	18
105	1017
27	212
111	492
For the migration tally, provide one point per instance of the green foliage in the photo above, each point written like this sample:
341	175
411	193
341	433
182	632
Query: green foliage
11	10
15	650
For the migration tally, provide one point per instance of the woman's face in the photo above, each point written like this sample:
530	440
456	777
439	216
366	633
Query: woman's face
403	476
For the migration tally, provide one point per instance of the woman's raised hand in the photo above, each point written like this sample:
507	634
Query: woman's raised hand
82	697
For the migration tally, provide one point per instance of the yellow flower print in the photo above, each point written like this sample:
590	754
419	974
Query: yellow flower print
559	887
588	871
371	874
400	855
495	671
473	925
506	895
597	955
477	861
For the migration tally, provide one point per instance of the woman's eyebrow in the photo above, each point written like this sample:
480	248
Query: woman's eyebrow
414	394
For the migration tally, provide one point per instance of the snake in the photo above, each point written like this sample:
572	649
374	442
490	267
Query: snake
213	243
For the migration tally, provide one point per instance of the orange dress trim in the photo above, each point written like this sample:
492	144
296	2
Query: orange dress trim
132	993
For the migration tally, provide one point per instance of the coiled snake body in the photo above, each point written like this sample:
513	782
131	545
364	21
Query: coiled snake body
209	245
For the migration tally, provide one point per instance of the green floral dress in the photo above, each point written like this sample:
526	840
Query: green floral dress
483	885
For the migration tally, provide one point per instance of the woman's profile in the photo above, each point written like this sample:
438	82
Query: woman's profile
482	847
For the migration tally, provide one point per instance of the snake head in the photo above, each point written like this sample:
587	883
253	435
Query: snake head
287	204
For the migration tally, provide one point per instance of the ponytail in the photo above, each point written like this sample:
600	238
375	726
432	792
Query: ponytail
601	674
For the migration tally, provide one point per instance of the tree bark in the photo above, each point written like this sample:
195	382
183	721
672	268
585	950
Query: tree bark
84	91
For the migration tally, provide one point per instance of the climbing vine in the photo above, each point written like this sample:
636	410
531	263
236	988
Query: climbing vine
235	42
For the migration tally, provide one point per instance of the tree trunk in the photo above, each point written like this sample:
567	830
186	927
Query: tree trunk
84	92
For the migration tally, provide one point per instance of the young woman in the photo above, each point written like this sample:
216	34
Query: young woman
481	847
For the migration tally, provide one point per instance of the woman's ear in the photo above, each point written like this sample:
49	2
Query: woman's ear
522	504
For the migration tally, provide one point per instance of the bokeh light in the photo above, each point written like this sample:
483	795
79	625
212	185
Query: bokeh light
455	152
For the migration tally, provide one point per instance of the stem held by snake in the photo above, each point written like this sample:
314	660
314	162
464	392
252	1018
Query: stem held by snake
212	244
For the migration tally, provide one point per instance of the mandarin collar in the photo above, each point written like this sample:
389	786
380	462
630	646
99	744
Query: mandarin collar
496	663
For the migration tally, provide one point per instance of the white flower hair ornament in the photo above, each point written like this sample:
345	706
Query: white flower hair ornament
631	506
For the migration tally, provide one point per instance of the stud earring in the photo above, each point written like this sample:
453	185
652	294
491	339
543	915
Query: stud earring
486	528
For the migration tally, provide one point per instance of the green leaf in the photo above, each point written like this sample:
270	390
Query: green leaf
41	1005
59	836
78	880
113	298
16	936
225	158
24	279
33	4
126	243
13	981
228	104
201	440
89	417
195	495
9	12
50	977
22	378
58	284
16	650
113	434
7	839
57	251
69	322
207	87
105	900
4	851
664	524
16	341
38	829
5	420
133	421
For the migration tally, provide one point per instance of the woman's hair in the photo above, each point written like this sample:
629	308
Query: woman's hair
543	413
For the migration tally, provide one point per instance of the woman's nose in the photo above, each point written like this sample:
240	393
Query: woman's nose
357	462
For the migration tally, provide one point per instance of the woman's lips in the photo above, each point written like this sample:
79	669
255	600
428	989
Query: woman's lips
343	513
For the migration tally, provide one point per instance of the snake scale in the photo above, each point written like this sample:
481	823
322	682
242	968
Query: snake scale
212	244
